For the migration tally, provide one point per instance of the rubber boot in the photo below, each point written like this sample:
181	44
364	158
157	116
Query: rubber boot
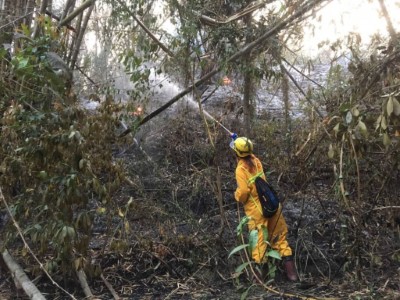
290	269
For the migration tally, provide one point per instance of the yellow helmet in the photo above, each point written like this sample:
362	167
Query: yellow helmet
242	146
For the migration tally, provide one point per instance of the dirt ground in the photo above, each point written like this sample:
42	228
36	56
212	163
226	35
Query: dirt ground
171	259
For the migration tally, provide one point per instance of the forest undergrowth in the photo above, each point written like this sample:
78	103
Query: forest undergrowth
171	242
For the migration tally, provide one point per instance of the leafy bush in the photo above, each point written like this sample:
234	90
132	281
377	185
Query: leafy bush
57	164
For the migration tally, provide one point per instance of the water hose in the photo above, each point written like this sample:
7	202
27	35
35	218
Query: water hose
220	124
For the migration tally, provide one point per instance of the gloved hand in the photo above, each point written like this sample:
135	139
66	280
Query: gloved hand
234	136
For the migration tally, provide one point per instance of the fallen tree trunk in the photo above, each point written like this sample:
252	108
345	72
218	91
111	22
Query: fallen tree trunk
110	288
20	278
84	284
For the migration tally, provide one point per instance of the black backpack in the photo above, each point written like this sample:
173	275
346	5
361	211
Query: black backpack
268	197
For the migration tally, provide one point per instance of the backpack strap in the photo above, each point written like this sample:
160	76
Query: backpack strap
253	178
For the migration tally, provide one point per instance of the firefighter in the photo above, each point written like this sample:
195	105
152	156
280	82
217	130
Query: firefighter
247	166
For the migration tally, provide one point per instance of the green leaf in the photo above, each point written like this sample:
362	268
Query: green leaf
70	232
253	239
237	249
336	128
344	107
265	233
349	117
355	112
396	107
362	127
63	234
274	254
378	122
383	123
245	293
101	210
244	221
389	106
271	270
331	152
82	163
243	266
386	140
42	174
23	63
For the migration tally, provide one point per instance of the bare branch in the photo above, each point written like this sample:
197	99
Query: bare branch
301	91
386	207
57	18
247	10
391	30
81	34
76	12
21	278
151	35
110	288
42	10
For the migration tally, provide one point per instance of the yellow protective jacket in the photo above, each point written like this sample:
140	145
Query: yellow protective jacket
246	193
244	189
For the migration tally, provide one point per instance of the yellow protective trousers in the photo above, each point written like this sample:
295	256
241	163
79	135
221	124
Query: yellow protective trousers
246	194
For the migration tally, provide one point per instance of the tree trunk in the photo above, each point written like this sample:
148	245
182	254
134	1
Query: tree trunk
390	27
42	11
286	104
30	6
247	99
84	284
69	7
80	37
20	277
74	40
8	17
248	110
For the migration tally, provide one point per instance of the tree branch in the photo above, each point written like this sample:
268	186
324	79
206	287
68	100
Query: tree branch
385	13
301	90
84	284
247	10
42	10
151	35
274	30
57	18
76	12
81	34
21	278
110	288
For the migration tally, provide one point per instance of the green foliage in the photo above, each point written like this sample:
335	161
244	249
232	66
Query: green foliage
225	39
253	240
238	248
31	74
270	255
56	161
245	293
139	73
242	223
